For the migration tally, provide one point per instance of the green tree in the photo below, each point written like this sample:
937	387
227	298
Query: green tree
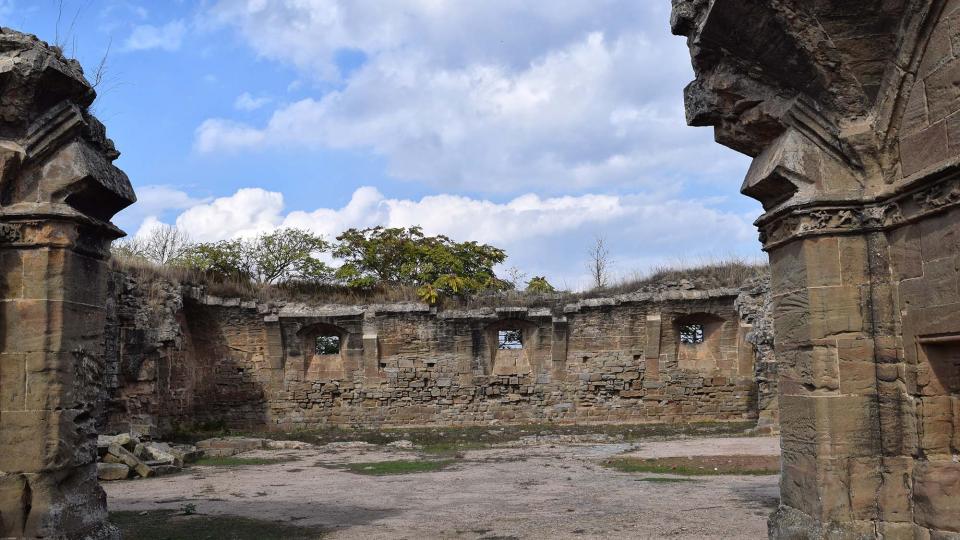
220	260
436	265
539	285
281	256
286	255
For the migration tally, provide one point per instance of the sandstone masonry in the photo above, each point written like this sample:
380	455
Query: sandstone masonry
58	190
178	356
851	113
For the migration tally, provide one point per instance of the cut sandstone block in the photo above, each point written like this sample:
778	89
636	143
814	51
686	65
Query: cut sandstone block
112	471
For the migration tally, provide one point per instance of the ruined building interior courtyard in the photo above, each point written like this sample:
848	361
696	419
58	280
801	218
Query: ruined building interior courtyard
814	397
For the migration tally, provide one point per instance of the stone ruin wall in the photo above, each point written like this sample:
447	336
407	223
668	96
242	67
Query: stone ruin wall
182	358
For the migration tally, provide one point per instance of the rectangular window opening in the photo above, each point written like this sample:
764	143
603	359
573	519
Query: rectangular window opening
691	334
510	339
943	364
328	345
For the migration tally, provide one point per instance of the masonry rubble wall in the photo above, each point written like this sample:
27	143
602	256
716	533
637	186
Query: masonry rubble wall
181	357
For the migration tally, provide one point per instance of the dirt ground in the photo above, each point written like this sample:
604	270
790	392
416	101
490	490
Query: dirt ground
547	487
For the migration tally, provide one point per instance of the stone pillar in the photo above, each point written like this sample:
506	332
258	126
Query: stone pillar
851	113
58	189
651	351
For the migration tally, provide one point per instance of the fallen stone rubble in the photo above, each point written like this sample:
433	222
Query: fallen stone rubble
127	456
231	446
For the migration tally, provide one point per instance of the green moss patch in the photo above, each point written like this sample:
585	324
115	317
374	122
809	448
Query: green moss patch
665	480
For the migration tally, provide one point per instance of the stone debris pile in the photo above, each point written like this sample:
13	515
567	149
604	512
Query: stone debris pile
231	446
127	456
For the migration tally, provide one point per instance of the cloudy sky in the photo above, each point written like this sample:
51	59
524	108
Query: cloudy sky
529	124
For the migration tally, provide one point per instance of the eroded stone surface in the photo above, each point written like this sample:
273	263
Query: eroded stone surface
58	189
188	358
850	111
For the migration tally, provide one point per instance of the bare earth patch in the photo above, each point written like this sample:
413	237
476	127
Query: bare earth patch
543	487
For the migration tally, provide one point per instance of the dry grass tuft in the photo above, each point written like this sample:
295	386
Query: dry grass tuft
732	272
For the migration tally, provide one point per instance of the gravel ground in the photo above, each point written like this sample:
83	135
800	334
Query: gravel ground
534	489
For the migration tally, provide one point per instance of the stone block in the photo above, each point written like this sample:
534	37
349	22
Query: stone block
791	317
14	502
67	500
942	85
953	133
13	387
939	237
924	148
829	426
915	115
936	422
936	495
66	276
854	266
823	262
38	325
42	440
798	482
904	248
112	471
11	273
788	269
894	493
857	368
835	310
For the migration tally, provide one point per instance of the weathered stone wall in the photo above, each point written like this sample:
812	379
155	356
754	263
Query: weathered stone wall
195	359
58	191
851	113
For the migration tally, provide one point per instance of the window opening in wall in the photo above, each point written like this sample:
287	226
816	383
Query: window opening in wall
943	362
691	334
328	345
510	339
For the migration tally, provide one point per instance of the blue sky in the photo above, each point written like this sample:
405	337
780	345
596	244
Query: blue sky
527	124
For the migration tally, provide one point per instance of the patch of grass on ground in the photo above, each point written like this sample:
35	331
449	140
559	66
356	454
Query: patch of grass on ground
665	480
170	525
448	440
383	468
698	465
234	461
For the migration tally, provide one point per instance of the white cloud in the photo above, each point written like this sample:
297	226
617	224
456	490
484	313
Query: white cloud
499	95
246	102
168	37
248	212
541	235
217	134
153	202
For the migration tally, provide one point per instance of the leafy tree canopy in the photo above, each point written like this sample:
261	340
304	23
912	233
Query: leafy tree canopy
435	264
539	285
281	256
